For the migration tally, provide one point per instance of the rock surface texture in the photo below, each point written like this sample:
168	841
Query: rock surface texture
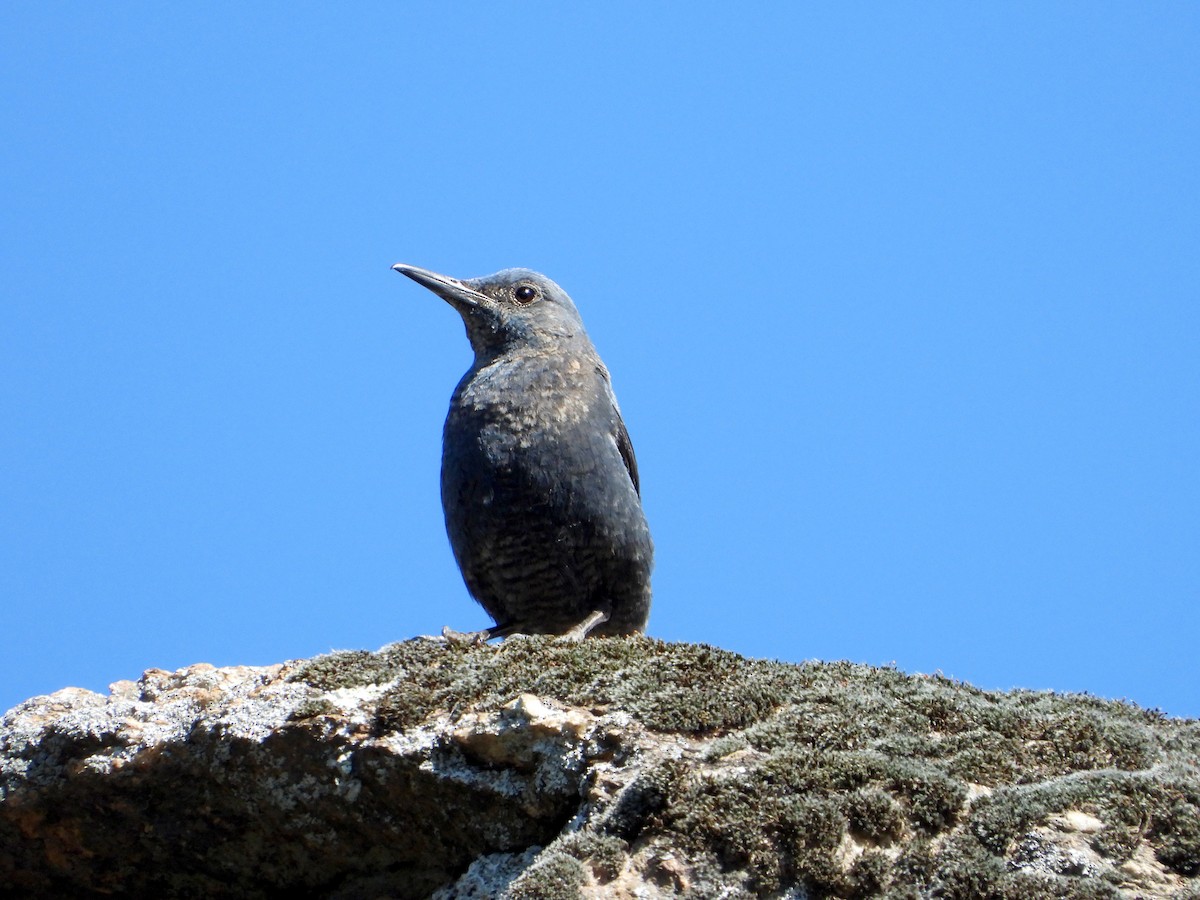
615	767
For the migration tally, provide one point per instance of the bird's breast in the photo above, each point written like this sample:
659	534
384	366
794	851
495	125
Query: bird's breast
531	421
521	397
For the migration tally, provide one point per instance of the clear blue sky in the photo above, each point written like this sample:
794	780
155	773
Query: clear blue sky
902	305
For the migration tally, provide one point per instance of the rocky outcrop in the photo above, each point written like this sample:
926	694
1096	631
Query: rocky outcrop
615	767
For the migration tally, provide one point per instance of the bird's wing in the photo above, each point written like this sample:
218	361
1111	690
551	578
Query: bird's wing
625	446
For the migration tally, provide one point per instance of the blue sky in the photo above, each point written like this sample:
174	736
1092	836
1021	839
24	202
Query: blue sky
902	305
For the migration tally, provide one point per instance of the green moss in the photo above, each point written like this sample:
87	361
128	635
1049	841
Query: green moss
873	815
826	753
689	688
345	669
934	798
642	802
310	709
1083	740
1117	843
811	830
1133	806
870	875
964	870
1175	834
785	816
555	876
913	871
604	854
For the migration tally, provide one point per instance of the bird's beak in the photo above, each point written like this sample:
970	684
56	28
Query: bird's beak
453	291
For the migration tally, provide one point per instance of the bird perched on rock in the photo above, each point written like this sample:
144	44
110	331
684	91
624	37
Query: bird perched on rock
539	482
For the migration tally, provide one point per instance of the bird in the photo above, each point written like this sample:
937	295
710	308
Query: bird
539	482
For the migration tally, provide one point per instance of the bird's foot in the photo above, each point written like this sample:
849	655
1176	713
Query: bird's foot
465	638
580	631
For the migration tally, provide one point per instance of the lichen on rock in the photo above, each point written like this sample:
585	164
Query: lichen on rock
614	767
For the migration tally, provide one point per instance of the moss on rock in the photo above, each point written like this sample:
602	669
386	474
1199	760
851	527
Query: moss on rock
836	779
685	688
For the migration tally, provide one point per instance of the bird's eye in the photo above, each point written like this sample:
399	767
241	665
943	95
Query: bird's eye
525	293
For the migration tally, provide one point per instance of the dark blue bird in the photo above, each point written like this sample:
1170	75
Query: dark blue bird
539	482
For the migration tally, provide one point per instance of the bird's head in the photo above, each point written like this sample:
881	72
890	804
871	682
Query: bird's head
512	309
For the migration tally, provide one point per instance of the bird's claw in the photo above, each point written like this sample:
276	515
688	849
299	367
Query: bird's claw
580	631
464	638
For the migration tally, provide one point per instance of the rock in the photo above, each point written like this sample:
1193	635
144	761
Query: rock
615	767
